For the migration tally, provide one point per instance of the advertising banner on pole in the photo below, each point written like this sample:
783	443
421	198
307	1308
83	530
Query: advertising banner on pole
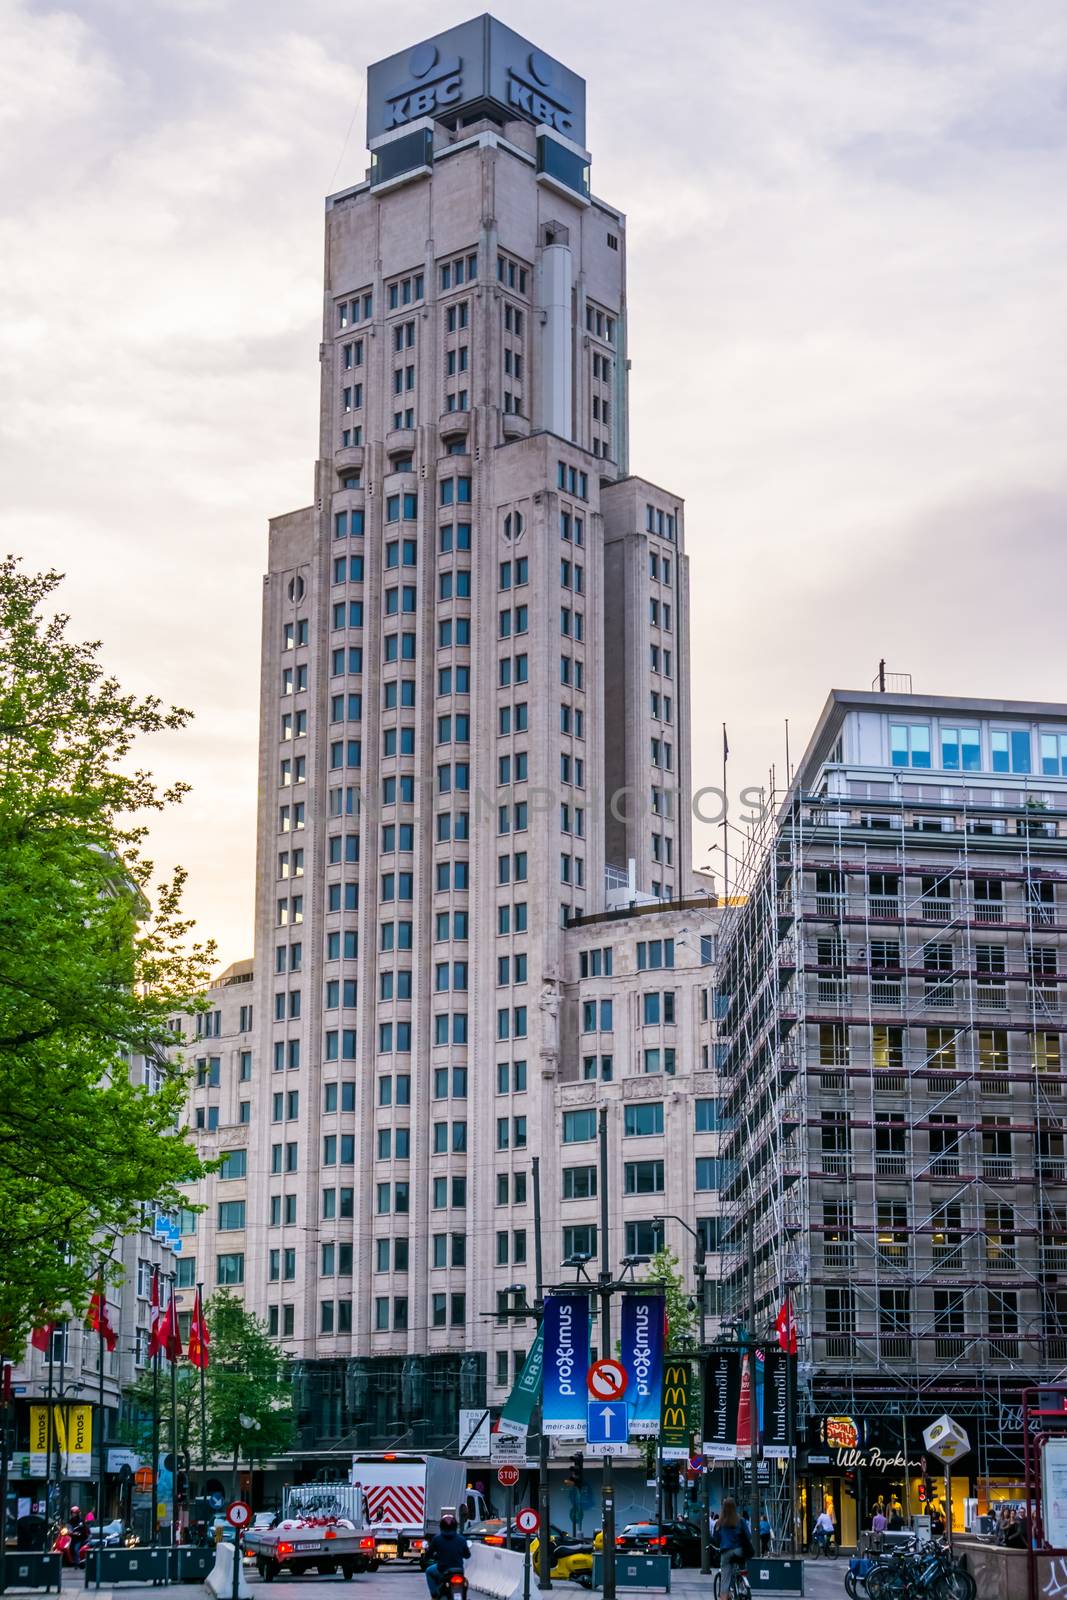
674	1434
722	1395
566	1361
641	1351
40	1441
518	1409
776	1379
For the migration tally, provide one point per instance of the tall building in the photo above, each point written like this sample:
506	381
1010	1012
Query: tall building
474	717
891	1002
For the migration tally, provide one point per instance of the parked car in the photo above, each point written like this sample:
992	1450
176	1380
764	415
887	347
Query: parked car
680	1540
494	1531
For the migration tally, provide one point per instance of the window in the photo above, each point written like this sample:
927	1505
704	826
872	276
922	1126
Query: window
230	1269
708	1173
961	749
909	744
579	1126
643	1177
643	1119
644	1238
1010	748
579	1183
234	1164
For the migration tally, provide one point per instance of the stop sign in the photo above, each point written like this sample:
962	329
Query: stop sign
507	1477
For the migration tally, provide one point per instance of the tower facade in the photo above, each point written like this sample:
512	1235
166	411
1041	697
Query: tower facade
472	639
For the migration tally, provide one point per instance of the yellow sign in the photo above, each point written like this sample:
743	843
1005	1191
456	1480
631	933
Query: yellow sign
39	1436
74	1432
80	1430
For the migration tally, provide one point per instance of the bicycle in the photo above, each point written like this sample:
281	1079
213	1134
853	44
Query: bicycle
823	1545
738	1588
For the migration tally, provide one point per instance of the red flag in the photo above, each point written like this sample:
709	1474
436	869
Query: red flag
40	1336
169	1331
786	1328
199	1336
155	1337
97	1317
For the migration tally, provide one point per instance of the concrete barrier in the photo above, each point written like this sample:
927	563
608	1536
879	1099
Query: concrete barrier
494	1571
219	1581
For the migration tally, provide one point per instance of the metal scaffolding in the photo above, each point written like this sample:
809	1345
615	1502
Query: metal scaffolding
889	1022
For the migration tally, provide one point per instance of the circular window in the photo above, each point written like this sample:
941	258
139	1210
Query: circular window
514	525
297	587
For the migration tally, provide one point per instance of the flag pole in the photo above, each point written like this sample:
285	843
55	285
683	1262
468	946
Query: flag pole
48	1433
203	1384
174	1418
101	1482
155	1449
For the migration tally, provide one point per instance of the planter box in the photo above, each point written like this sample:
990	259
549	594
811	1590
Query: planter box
635	1571
29	1569
140	1565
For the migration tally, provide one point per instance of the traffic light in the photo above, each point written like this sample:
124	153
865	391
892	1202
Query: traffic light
578	1469
671	1475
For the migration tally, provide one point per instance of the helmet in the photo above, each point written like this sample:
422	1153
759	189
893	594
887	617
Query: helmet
75	1511
448	1523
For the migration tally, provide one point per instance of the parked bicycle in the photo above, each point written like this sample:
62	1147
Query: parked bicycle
915	1572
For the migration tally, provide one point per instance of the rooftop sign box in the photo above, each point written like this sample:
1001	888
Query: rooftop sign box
478	67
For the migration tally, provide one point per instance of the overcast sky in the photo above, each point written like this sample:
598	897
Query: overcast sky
848	300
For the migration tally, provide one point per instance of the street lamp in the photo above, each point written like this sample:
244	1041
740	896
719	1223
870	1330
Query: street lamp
250	1425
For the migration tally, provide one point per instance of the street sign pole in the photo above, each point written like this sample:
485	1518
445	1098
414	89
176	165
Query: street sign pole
511	1516
526	1567
236	1563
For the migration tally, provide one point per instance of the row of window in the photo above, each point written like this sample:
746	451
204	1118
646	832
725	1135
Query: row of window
959	748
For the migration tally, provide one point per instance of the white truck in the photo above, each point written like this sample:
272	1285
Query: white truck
407	1494
322	1526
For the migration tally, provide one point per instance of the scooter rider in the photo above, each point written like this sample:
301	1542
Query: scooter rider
447	1552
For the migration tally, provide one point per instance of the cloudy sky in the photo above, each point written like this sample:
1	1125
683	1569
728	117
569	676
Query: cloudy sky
847	246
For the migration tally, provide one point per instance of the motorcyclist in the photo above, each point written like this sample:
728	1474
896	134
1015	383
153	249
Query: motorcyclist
448	1550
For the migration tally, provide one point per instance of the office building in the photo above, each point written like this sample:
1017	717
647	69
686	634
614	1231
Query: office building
474	719
892	1025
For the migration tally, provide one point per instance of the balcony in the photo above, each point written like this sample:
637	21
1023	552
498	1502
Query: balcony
840	1347
1054	1258
889	1164
949	1349
931	910
945	1167
838	1253
885	994
939	994
894	1348
832	992
1052	1171
838	1163
987	911
998	1167
830	905
883	905
1000	1261
992	996
1004	1349
454	424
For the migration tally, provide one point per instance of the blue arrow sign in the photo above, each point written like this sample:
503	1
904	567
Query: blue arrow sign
606	1422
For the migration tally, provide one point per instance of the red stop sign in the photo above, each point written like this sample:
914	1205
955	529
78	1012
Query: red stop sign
507	1477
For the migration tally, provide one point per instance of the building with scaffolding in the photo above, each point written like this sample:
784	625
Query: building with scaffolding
891	1040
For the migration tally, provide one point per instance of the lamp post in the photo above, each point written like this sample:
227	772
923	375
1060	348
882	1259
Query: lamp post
251	1425
700	1271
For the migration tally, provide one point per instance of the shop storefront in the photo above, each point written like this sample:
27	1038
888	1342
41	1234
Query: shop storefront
852	1467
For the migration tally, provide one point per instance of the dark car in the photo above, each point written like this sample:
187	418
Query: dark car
494	1531
680	1540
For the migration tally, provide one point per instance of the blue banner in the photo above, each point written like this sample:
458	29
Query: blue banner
566	1355
641	1353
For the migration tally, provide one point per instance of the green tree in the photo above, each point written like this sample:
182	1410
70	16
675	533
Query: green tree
247	1383
681	1316
93	956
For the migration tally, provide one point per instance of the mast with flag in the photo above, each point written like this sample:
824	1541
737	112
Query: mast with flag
199	1342
155	1348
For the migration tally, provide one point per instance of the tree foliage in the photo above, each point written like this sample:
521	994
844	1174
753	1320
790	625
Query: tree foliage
93	956
248	1377
681	1319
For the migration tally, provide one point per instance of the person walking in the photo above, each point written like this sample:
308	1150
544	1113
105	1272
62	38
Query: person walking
764	1535
878	1525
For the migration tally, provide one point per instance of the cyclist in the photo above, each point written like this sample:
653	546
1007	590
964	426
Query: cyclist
733	1540
447	1552
824	1531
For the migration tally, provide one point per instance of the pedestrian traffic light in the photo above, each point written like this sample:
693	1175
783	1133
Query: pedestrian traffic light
671	1479
578	1469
